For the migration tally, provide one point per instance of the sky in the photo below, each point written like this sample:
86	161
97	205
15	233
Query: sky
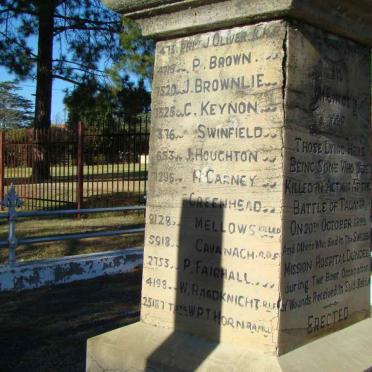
59	114
28	88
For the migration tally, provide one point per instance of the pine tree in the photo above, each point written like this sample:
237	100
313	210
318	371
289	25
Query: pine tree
73	36
15	110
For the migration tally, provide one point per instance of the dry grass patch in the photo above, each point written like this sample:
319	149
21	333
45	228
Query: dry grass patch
27	228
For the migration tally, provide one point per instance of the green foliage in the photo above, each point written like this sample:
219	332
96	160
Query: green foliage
18	135
137	53
15	110
84	32
105	110
25	135
76	37
17	23
95	103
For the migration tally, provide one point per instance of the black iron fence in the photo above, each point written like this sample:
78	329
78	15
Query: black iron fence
101	165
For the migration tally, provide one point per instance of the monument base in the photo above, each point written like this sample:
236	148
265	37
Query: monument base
140	347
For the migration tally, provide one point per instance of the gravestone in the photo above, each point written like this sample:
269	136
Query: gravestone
258	214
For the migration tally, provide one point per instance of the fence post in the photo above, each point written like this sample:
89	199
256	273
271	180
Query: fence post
12	238
80	167
12	201
2	164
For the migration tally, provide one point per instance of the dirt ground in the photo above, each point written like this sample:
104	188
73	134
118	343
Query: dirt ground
47	329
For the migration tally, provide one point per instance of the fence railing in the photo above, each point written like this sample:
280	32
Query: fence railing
12	201
101	165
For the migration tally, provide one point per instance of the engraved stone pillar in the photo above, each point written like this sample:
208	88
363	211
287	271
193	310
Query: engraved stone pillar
258	215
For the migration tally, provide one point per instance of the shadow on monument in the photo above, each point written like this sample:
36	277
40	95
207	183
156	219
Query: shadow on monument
199	287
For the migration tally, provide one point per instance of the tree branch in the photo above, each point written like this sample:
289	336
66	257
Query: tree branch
64	78
25	48
58	30
60	2
18	11
84	20
83	67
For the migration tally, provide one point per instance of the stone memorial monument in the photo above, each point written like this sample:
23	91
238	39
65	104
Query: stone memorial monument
258	216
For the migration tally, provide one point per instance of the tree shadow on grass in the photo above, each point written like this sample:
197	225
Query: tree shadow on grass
46	329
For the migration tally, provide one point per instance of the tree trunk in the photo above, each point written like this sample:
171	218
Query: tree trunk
43	102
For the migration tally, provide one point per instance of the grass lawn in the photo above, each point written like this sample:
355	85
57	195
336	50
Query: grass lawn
56	226
98	191
103	185
46	329
65	170
66	191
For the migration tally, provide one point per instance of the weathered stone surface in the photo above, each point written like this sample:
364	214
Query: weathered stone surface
244	120
213	233
164	19
257	231
62	270
130	5
132	349
326	229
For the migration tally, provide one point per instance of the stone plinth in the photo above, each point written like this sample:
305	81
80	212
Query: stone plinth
128	349
257	223
172	18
